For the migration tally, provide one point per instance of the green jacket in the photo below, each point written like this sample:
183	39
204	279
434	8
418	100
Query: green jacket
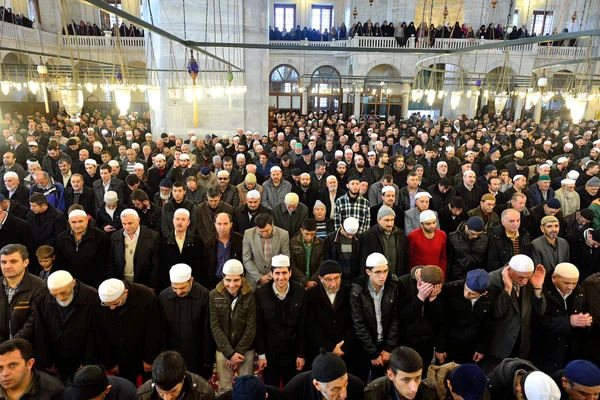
298	259
233	330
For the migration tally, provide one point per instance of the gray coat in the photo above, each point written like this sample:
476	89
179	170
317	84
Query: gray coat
543	253
254	260
510	320
272	195
375	193
412	222
292	223
115	185
205	219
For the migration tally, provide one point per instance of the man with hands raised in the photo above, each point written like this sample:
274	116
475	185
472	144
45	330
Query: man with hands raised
517	290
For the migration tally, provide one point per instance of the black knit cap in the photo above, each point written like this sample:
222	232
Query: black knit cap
328	367
87	383
329	267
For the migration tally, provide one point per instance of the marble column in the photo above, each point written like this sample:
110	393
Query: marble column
405	102
357	106
474	101
518	107
305	102
537	112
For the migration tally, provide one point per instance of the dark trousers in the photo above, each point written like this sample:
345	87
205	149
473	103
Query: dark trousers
425	350
274	374
365	366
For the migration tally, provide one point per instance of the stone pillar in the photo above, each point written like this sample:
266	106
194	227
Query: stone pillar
305	102
518	107
256	65
131	6
474	101
537	112
357	106
405	102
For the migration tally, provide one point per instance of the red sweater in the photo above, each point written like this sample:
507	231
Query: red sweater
425	251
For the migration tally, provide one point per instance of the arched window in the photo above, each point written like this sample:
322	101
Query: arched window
325	90
283	88
382	92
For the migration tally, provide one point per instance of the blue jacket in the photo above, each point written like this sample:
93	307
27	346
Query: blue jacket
54	194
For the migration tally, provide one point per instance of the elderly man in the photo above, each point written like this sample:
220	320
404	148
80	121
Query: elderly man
228	192
63	345
243	216
579	380
427	245
157	173
411	217
233	324
83	250
352	204
564	322
589	192
134	251
376	190
549	208
517	292
126	330
177	201
246	186
568	197
373	299
549	249
486	211
275	189
207	211
224	245
10	164
259	245
19	291
290	214
506	240
53	191
330	194
14	190
184	308
540	192
78	193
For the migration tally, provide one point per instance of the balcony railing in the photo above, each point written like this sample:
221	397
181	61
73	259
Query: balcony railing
442	44
103	41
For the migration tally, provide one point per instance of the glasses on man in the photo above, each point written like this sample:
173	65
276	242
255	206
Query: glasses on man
223	179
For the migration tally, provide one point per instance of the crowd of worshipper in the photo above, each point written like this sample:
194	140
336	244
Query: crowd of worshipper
405	31
332	257
92	29
7	15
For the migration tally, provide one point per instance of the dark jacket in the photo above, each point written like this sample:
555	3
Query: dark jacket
17	318
168	212
208	277
383	389
145	258
465	327
592	335
18	210
534	195
586	258
371	242
471	198
333	251
465	254
438	199
500	383
292	224
151	217
500	249
88	261
553	329
21	195
404	200
493	219
86	200
364	317
448	222
512	317
233	330
301	388
419	321
115	185
186	326
128	335
45	387
47	231
280	324
298	259
15	230
195	387
103	218
328	324
542	252
241	219
169	255
71	342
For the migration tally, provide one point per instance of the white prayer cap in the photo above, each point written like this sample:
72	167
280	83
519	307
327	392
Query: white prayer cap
349	151
539	386
469	172
276	168
427	215
129	211
469	152
110	290
548	142
280	260
32	144
233	267
371	153
193	139
376	260
128	133
60	279
386	189
180	273
90	161
566	270
342	163
11	174
135	146
569	146
519	154
442	163
518	176
98	144
253	194
240	156
449	148
181	211
184	156
161	156
111	197
562	160
422	194
567	181
338	153
291	198
571	175
104	131
223	172
351	225
138	165
113	163
521	263
549	162
77	213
